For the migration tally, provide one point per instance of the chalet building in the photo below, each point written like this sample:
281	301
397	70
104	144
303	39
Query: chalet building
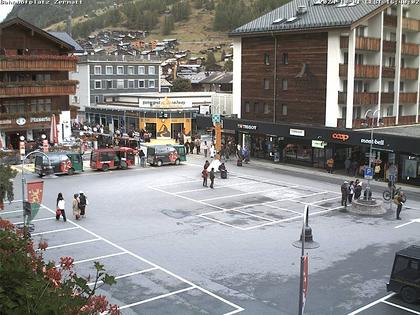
101	76
306	74
34	82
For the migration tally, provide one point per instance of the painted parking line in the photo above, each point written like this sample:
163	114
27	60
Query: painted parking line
36	220
158	297
254	215
74	243
401	307
8	212
55	231
244	194
371	304
221	222
126	275
191	284
206	188
404	224
98	258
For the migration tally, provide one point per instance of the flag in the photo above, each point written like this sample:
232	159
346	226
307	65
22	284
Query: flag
35	193
53	131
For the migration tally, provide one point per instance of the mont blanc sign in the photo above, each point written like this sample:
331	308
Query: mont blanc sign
374	141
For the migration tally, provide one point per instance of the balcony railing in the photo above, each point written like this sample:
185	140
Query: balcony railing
411	24
37	88
390	20
387	98
361	71
384	122
389	46
408	97
38	63
359	98
409	73
410	49
388	72
362	43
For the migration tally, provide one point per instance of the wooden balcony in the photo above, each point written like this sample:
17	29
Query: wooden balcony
37	88
409	73
362	43
388	72
38	63
361	71
359	98
408	98
410	49
389	46
384	122
390	20
387	98
411	24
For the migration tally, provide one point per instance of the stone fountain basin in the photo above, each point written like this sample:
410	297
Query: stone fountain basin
371	207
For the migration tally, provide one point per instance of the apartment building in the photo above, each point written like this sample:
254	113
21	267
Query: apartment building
306	74
102	76
34	82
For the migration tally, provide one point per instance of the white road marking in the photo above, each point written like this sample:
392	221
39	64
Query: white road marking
8	212
127	275
207	189
74	243
98	258
55	231
370	304
178	183
157	297
283	209
36	220
220	222
324	200
243	194
237	307
401	307
253	215
404	224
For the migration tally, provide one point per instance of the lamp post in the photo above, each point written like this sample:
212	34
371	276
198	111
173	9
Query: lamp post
23	158
368	193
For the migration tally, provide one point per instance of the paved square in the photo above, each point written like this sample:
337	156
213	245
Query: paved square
250	202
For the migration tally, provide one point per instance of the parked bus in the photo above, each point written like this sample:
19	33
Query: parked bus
61	162
165	154
112	158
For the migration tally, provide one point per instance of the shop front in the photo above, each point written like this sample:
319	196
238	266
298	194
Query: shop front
395	155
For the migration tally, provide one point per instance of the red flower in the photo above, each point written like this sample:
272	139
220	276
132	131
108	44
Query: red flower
42	245
66	262
6	225
114	309
54	276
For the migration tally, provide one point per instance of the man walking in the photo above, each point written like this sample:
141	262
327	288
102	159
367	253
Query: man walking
142	158
212	175
198	145
82	203
187	147
205	175
344	193
399	201
205	148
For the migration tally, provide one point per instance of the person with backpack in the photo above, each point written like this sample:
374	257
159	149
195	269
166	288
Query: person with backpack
61	204
205	175
83	202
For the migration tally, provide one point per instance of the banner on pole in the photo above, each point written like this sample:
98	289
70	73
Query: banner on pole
35	194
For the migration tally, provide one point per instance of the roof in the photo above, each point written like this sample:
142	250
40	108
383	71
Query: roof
63	36
318	15
411	251
409	131
164	82
30	26
195	78
218	78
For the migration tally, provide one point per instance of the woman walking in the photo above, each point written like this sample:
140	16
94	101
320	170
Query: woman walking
60	208
76	209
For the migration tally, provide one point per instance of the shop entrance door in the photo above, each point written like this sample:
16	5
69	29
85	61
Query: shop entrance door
12	139
319	158
176	128
151	129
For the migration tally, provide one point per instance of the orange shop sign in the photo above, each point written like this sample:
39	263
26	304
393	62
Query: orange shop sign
340	136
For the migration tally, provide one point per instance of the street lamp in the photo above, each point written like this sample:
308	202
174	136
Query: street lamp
368	191
50	175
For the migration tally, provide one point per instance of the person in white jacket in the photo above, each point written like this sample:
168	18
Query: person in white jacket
60	208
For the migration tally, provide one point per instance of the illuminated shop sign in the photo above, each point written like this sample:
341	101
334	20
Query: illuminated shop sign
374	141
248	127
340	136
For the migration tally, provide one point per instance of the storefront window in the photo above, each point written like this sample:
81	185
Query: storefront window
298	152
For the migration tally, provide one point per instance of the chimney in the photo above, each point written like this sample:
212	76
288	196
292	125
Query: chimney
301	9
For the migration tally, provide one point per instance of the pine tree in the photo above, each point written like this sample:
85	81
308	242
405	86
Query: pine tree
167	25
228	66
210	61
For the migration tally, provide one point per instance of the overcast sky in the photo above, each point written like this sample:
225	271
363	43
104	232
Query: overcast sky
4	10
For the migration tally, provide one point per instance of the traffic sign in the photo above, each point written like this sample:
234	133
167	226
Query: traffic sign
215	118
368	173
391	178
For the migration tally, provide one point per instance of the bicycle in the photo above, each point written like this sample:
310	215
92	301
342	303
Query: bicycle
388	195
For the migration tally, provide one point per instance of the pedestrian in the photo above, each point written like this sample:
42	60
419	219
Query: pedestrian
212	151
198	145
187	147
192	145
76	207
344	193
83	202
357	190
212	175
60	208
206	164
142	158
377	171
347	165
205	175
351	192
330	165
355	167
205	148
398	200
223	171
